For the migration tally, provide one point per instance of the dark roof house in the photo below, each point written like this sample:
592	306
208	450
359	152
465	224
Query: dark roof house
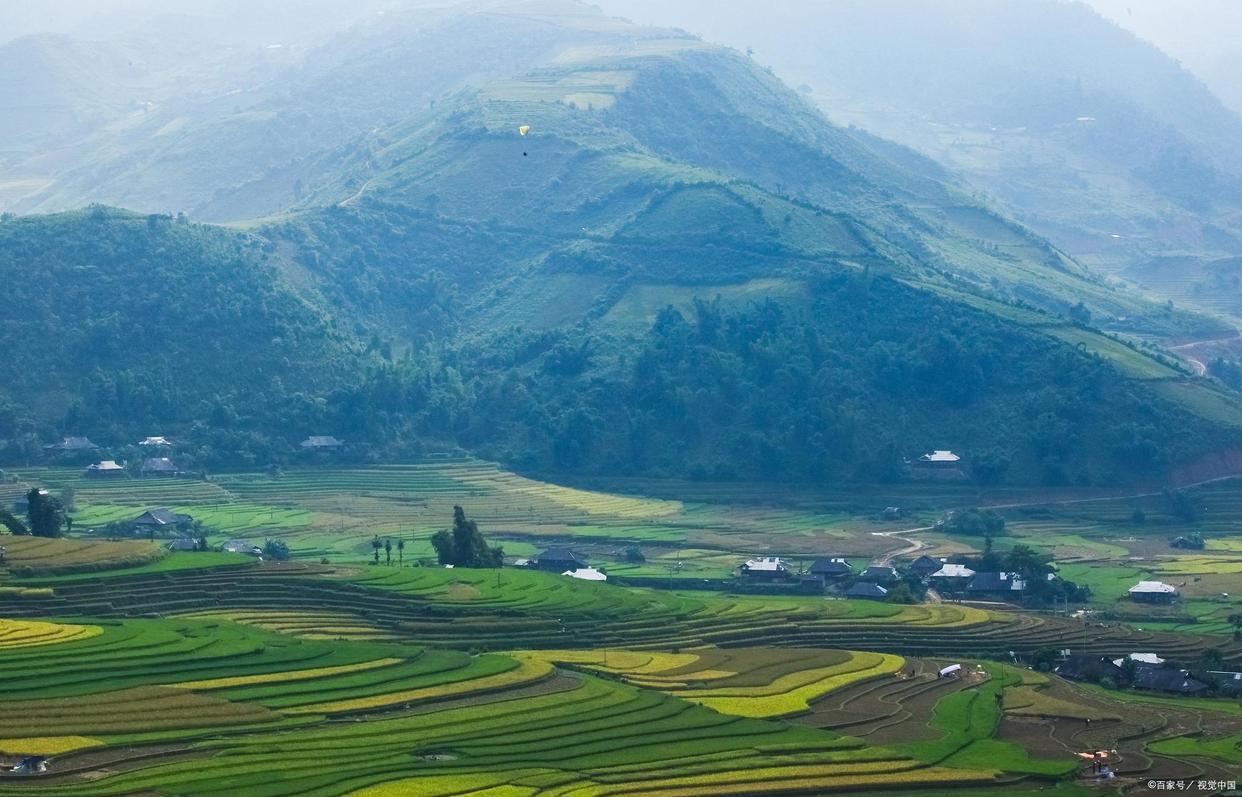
72	444
996	584
560	560
835	567
924	566
1168	679
866	590
879	574
1090	668
161	517
183	544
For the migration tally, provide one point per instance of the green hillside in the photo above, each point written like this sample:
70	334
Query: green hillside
683	269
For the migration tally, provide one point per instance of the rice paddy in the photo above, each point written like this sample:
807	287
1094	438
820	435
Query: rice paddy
140	671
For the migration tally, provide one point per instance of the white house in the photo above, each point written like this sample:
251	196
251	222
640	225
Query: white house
586	574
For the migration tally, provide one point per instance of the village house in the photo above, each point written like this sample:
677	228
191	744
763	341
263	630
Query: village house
954	572
939	464
830	569
559	560
1090	669
183	544
866	591
21	504
1152	592
242	546
29	765
106	469
72	444
879	574
1000	585
160	519
156	442
924	566
158	466
1169	680
322	443
765	568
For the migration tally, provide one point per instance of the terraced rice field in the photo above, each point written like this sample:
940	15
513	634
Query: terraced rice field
747	682
40	555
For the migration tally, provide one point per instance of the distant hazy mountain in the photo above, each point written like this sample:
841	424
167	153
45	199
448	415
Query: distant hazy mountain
1087	134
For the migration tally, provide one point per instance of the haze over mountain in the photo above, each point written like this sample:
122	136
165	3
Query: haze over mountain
1090	135
684	268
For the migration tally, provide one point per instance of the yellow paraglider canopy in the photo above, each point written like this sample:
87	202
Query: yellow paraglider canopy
524	129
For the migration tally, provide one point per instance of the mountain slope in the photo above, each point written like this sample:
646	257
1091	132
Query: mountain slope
1090	136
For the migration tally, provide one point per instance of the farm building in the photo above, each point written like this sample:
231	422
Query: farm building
939	459
586	574
559	560
161	518
183	544
867	591
1152	592
1090	669
954	571
21	505
322	443
29	765
72	444
952	671
107	469
938	464
998	584
158	466
830	569
879	574
156	442
925	565
1168	679
765	568
241	546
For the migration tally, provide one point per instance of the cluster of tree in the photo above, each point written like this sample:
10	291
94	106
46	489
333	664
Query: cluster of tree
464	546
845	383
386	546
973	521
45	516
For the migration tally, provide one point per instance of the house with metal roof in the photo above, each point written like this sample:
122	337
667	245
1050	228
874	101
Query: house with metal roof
1152	592
765	568
952	570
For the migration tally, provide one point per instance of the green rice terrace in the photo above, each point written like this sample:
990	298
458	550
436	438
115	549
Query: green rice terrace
132	669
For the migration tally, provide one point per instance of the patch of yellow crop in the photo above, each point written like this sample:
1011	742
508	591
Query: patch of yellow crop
28	633
794	692
476	784
282	677
46	745
529	669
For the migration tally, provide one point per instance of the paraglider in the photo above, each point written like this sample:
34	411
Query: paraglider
522	131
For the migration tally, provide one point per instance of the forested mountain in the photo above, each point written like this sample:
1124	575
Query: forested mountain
679	268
